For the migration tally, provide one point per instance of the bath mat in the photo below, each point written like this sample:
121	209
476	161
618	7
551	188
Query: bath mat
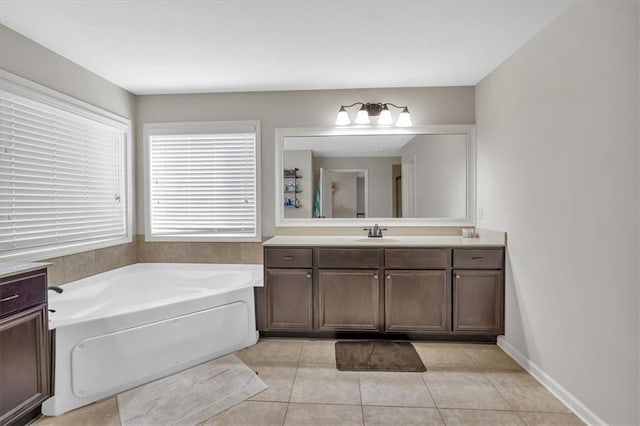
377	356
191	396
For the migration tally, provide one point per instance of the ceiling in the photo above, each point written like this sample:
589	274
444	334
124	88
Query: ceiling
153	46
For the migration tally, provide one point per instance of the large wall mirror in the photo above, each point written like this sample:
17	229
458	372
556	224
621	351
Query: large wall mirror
417	176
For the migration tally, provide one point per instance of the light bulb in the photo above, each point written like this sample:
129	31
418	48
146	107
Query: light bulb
404	119
363	116
385	116
343	117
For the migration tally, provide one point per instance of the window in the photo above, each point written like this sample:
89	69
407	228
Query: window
63	174
202	181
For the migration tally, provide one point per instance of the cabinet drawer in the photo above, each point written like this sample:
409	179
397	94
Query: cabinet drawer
288	258
348	258
22	292
478	258
416	258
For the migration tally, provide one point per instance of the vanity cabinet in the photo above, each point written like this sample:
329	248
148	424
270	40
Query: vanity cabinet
422	292
478	291
348	300
24	347
289	299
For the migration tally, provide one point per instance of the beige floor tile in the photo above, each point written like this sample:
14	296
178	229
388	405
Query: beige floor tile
443	355
405	416
550	419
463	389
103	413
490	357
318	352
323	415
251	413
394	389
272	351
480	418
524	393
279	378
325	385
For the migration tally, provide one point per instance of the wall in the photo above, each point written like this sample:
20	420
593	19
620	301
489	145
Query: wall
558	169
25	58
380	179
446	105
440	174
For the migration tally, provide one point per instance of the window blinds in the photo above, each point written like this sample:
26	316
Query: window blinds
62	175
203	185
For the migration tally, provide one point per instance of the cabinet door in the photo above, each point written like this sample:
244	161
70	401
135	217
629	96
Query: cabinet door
417	301
24	363
289	299
348	300
478	302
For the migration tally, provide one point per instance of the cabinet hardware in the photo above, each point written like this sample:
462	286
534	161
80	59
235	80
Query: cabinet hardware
457	277
308	275
388	277
476	258
288	258
6	299
375	276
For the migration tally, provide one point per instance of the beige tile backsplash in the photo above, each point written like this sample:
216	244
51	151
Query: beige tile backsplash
74	267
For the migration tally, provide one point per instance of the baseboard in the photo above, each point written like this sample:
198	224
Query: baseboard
566	397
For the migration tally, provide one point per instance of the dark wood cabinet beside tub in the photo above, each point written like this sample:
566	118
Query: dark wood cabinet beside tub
445	293
24	346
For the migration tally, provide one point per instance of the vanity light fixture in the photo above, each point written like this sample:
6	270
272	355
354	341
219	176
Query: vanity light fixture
378	109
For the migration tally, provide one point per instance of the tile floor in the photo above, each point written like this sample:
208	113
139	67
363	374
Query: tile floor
465	384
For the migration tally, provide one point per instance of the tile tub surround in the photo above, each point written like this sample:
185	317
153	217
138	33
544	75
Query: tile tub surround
480	385
73	267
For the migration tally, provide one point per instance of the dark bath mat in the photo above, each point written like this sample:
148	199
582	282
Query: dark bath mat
383	355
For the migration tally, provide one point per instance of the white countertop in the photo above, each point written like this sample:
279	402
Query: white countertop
493	239
13	268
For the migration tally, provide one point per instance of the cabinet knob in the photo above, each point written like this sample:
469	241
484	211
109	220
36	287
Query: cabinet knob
375	276
308	275
388	277
457	277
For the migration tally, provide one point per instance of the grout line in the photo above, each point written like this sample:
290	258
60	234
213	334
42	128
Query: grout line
295	375
360	394
498	390
424	380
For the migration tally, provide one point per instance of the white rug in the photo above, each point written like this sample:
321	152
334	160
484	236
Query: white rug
191	396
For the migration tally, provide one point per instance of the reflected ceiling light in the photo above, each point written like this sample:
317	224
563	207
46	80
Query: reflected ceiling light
378	109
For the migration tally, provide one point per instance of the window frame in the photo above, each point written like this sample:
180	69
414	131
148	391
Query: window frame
198	127
53	98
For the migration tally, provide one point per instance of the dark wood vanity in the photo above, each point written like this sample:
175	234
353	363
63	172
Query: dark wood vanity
444	293
24	346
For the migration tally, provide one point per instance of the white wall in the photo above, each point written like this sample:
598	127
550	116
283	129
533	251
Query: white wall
444	105
440	174
558	169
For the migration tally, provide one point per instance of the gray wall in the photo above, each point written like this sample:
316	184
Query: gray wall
440	174
25	58
558	168
380	179
445	105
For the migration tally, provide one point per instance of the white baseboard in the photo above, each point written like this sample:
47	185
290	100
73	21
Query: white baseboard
566	397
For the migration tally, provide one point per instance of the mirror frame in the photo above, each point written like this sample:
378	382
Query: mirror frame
467	130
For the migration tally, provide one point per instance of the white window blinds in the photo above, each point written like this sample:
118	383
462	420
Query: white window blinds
203	185
62	175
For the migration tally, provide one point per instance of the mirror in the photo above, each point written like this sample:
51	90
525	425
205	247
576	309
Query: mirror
417	176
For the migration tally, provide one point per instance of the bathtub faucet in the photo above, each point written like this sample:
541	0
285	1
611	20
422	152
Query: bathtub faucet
56	289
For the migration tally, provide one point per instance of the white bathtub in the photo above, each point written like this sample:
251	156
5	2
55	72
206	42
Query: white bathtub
135	324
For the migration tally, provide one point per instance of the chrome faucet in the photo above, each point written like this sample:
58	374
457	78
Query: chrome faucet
375	232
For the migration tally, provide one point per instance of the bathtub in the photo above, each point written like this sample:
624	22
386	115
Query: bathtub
132	325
